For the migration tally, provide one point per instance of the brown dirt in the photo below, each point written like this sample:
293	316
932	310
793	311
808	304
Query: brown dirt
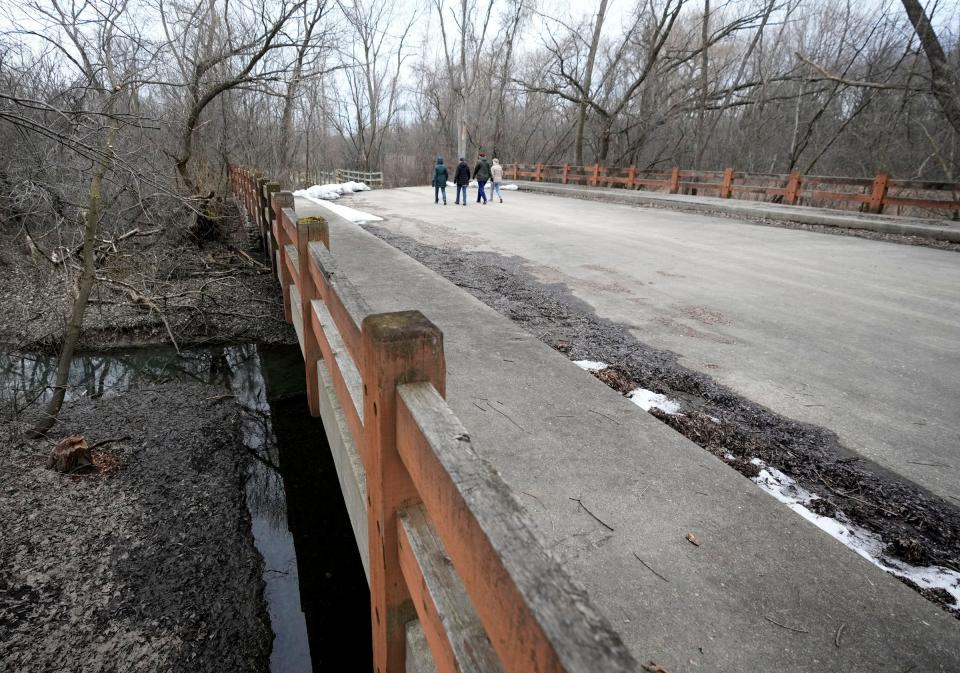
213	291
146	563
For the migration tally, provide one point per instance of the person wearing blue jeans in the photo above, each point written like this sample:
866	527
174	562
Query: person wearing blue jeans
496	177
481	173
440	176
462	179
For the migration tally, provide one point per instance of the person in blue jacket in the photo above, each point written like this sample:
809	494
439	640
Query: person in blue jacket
440	176
462	180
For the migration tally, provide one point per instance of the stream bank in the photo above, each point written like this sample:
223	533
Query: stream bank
213	539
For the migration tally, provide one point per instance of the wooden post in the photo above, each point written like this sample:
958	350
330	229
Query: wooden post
566	171
260	217
248	193
539	176
879	193
396	348
675	180
310	229
269	244
596	175
281	200
631	177
793	189
725	187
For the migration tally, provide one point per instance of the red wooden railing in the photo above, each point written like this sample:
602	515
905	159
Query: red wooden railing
871	194
447	541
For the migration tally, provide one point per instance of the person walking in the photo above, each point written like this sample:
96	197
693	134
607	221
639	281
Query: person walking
462	179
496	176
481	173
440	175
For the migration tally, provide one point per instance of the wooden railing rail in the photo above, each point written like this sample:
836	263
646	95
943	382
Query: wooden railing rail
448	543
871	194
371	178
303	180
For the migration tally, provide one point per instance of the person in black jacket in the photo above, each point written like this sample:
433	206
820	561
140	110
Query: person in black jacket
440	176
462	180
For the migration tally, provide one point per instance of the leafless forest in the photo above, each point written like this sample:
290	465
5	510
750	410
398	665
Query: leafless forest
118	117
156	96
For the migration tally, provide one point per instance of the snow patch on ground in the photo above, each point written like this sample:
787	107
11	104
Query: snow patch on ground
643	398
331	191
511	188
863	542
647	399
358	216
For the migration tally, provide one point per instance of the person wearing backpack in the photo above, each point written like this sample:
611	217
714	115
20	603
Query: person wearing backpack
440	175
496	175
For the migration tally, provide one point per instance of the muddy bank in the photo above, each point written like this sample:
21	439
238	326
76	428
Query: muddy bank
155	288
148	565
915	526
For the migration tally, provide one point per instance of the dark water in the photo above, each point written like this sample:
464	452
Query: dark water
316	591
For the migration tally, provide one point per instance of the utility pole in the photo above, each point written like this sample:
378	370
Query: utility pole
462	123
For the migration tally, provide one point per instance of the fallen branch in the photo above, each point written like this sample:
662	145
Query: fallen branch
648	567
784	626
104	442
141	299
595	517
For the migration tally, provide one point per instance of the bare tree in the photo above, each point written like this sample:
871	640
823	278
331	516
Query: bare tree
104	55
372	70
219	46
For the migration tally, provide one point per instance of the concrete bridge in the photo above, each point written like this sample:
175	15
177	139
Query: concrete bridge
516	514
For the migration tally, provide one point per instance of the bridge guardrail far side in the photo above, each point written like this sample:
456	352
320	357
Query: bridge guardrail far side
870	194
447	542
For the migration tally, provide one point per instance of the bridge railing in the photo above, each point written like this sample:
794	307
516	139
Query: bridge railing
448	543
302	180
371	178
870	194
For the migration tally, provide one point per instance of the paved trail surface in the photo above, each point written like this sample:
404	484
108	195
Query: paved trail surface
859	336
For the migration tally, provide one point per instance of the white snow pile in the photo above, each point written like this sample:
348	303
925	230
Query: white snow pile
332	191
510	187
643	398
647	400
352	214
864	542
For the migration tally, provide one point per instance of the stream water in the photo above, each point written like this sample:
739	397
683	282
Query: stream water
315	588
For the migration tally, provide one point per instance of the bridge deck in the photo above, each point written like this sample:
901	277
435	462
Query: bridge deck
765	590
861	337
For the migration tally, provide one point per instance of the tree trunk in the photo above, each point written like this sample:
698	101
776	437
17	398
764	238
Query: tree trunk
704	64
87	275
943	83
588	82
